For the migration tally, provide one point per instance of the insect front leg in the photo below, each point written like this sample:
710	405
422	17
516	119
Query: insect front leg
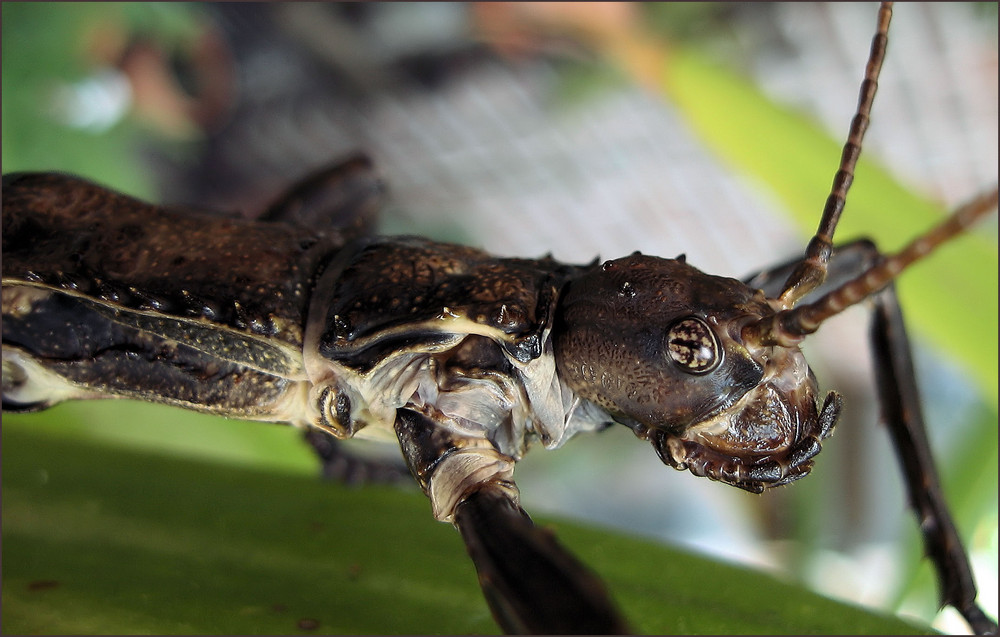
901	410
532	584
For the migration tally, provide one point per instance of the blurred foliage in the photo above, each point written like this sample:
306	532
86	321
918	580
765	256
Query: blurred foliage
52	46
163	545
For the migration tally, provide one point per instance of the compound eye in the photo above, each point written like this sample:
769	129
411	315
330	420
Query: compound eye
692	346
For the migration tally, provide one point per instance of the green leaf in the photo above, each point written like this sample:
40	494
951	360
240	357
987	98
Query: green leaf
103	538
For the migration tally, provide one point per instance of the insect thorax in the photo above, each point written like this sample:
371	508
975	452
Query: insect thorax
446	330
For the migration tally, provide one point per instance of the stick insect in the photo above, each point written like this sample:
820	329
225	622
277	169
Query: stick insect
5	233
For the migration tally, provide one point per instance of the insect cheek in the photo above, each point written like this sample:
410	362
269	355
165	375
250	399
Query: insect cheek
767	424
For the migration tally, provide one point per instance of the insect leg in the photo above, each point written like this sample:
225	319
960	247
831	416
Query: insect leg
346	195
901	410
902	413
532	584
338	463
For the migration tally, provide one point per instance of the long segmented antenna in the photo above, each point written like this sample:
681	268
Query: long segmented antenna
788	327
811	272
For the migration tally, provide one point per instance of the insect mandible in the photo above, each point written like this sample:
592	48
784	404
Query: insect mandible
685	328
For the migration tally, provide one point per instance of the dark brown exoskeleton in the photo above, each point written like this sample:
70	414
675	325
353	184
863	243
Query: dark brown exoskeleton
463	358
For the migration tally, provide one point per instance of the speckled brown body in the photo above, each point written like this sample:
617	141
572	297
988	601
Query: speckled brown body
625	370
171	305
210	312
379	291
68	234
274	320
